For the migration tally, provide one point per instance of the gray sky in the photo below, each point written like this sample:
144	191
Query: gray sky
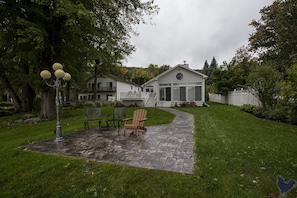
194	31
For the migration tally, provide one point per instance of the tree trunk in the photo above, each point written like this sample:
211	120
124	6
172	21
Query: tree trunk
47	104
28	97
67	93
28	93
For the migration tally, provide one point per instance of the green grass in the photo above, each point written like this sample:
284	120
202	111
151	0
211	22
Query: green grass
236	154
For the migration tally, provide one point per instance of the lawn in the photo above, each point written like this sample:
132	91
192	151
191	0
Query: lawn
236	155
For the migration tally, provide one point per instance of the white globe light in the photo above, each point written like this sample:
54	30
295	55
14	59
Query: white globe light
57	66
59	73
67	76
45	74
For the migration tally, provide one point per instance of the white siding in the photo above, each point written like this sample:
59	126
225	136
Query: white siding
125	87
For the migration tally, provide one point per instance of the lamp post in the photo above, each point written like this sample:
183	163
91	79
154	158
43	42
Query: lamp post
59	74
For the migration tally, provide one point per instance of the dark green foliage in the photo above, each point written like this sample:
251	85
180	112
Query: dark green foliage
188	104
226	79
264	80
274	37
248	108
279	113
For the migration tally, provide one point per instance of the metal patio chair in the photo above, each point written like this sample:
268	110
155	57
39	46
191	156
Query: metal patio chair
93	115
117	118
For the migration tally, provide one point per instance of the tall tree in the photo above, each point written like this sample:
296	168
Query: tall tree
274	38
205	68
213	65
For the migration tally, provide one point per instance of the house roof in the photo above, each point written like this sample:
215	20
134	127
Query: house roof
184	66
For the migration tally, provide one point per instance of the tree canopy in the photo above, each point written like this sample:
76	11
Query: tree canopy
274	38
35	34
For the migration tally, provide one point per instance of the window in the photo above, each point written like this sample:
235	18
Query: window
176	93
165	94
90	97
182	94
198	93
191	93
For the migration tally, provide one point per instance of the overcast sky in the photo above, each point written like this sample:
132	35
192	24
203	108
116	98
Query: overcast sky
194	31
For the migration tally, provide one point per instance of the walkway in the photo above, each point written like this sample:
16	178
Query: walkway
166	147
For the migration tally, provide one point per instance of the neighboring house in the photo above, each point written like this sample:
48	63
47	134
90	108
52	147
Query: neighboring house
108	87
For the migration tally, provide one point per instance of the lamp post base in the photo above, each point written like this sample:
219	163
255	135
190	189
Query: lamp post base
58	131
59	139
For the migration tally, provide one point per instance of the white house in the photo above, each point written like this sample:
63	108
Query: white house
108	87
174	86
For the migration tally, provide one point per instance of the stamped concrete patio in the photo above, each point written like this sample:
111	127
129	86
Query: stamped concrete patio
166	147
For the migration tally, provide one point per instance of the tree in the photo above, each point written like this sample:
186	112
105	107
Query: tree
289	93
205	69
152	71
35	34
264	82
274	38
289	86
226	78
163	68
213	65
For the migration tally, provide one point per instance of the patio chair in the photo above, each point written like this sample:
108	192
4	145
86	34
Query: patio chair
117	118
93	115
139	116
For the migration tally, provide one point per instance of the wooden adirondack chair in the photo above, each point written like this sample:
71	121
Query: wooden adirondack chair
139	116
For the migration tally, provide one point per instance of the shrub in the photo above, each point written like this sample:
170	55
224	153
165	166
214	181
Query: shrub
248	108
188	104
292	115
278	114
90	104
119	104
259	112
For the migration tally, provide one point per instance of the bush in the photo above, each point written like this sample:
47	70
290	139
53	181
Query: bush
259	112
248	108
188	104
278	114
119	104
292	115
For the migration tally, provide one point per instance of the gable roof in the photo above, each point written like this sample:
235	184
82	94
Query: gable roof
184	66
